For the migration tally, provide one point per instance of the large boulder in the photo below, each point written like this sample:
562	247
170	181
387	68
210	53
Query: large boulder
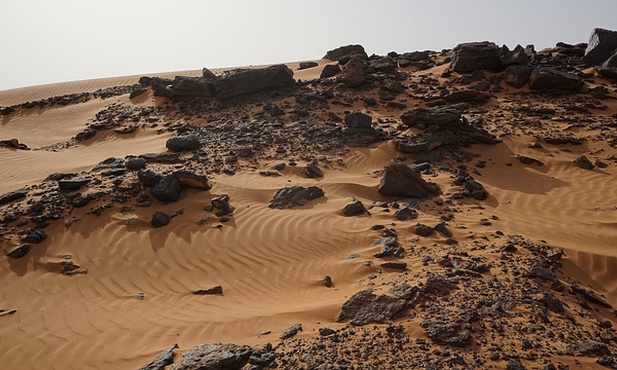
345	51
517	75
294	196
473	56
365	307
13	196
167	189
192	180
354	72
254	80
453	334
193	86
602	44
440	116
358	120
330	70
611	62
215	356
183	143
399	180
552	79
518	56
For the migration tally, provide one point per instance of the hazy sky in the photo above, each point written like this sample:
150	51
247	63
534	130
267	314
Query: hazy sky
61	40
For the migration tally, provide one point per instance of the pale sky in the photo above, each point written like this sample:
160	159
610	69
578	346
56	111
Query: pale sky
47	41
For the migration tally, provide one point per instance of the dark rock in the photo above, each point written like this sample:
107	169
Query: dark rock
543	273
611	62
592	349
447	333
294	196
19	252
137	93
606	360
306	65
82	200
355	208
13	196
312	170
552	79
405	213
159	219
466	96
85	134
518	56
354	73
324	332
443	229
399	180
365	307
72	184
343	51
515	365
167	189
216	290
438	286
328	281
221	202
148	178
590	296
166	357
183	143
254	80
476	189
358	120
192	180
602	44
424	230
397	265
609	73
330	70
472	56
440	116
517	76
208	74
193	86
161	157
136	164
584	163
215	356
552	303
291	331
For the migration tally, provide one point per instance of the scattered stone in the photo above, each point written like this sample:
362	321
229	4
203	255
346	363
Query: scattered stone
405	213
221	202
365	307
217	290
294	196
447	333
167	189
312	170
291	331
328	281
159	219
592	349
13	196
306	65
590	296
166	357
443	229
424	230
215	356
399	180
192	180
517	76
552	302
355	208
584	163
183	143
36	236
397	265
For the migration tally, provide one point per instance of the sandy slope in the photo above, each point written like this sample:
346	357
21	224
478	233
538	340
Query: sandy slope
271	263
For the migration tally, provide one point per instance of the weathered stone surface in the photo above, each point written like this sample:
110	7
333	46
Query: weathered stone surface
552	79
473	56
306	65
365	307
517	76
358	120
148	178
518	56
424	230
35	236
590	295
355	208
192	180
399	180
19	252
592	349
193	86
72	184
167	189
215	356
291	331
330	70
254	80
183	143
161	157
354	72
13	196
294	196
602	44
166	357
343	51
312	170
448	333
159	219
552	302
440	116
584	163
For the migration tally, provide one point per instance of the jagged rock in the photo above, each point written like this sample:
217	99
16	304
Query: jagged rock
14	144
397	265
552	79
438	285
355	208
611	62
206	73
12	196
148	178
473	56
405	213
517	76
215	356
193	86
602	44
518	56
306	65
289	197
552	303
609	73
590	295
166	357
216	290
399	180
183	143
161	157
254	80
330	70
192	180
135	164
312	170
447	333
424	230
358	120
221	202
167	189
343	51
72	184
515	365
159	219
592	349
354	72
137	93
19	252
365	307
443	229
440	116
476	190
543	273
584	163
291	331
85	134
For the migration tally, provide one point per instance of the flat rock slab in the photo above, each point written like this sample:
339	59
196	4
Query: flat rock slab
552	79
254	80
365	307
399	180
13	196
473	56
215	356
295	196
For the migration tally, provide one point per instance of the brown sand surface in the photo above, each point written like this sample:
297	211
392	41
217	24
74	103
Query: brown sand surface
270	263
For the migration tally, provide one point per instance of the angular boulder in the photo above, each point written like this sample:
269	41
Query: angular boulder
167	189
473	56
447	333
294	196
166	357
354	72
215	356
347	50
399	180
517	76
254	80
330	70
192	180
552	79
358	120
602	44
518	56
365	307
183	143
13	196
440	116
193	86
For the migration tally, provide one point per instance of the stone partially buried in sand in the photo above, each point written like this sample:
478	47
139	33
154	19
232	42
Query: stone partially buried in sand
254	80
215	356
365	307
294	196
399	180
